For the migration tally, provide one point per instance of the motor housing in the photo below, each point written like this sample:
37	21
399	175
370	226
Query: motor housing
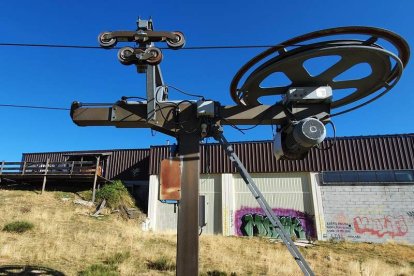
294	140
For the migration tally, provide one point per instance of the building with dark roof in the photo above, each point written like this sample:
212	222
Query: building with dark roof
359	189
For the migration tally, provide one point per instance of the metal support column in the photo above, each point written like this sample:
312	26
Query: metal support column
187	228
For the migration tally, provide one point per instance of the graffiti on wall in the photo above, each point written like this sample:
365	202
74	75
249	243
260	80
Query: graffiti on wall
394	226
340	228
253	222
410	214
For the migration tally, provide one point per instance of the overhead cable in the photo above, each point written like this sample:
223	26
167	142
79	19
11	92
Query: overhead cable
212	47
34	107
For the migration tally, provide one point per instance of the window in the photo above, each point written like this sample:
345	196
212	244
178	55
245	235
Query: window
368	177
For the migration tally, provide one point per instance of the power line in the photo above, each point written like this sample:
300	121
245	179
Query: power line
213	47
34	107
50	45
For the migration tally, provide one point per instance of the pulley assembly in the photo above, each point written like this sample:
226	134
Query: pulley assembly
145	53
385	54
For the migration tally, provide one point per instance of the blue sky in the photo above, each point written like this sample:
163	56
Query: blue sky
56	77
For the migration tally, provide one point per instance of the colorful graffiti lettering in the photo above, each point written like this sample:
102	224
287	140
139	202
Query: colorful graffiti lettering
386	225
253	222
258	225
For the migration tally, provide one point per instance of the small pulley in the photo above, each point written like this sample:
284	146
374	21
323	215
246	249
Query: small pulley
144	53
150	55
143	35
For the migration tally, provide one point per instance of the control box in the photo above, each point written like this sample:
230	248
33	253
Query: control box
308	94
206	108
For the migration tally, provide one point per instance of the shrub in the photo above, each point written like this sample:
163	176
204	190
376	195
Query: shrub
99	269
18	227
115	194
117	259
216	273
161	264
109	268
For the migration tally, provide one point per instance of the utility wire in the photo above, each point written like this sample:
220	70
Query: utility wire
184	92
213	47
34	107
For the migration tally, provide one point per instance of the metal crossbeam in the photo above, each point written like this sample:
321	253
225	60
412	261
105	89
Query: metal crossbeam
125	114
263	204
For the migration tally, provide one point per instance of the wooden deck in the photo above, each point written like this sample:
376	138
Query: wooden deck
35	172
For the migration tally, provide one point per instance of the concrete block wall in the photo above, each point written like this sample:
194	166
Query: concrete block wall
368	213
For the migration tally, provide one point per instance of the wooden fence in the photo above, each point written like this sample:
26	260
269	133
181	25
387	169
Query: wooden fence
45	170
48	168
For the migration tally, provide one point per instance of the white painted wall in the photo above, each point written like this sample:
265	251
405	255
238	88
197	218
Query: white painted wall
163	218
228	198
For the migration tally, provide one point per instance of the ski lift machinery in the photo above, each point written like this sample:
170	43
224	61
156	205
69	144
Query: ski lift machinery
301	109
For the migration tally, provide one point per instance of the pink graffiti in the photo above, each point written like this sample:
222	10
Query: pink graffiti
387	225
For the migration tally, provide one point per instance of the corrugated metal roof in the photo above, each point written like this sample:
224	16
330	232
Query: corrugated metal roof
382	152
385	152
128	164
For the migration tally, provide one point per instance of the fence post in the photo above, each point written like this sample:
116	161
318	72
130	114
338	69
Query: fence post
71	169
24	167
44	177
95	178
2	165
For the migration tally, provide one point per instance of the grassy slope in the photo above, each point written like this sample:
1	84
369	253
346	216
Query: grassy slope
66	239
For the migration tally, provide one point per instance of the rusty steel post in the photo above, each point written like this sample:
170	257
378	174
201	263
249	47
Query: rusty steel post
187	228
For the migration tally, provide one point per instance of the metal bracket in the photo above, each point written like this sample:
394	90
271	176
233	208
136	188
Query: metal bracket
156	91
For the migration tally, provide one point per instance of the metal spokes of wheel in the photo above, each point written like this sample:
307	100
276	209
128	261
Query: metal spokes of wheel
290	60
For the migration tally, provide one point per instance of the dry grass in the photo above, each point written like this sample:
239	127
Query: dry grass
66	239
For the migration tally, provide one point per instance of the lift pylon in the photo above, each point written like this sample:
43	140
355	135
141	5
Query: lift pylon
301	109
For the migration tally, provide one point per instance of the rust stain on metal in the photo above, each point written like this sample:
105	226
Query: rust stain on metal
170	179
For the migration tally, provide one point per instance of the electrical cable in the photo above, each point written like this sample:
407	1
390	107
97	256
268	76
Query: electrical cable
233	125
184	92
334	138
248	128
35	107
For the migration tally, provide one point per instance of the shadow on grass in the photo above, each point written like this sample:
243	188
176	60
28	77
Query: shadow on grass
28	270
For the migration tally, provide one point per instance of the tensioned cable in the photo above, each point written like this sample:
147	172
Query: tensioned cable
214	47
34	107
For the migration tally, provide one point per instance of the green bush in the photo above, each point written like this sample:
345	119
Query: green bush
219	273
117	259
99	269
18	227
109	268
115	194
161	264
